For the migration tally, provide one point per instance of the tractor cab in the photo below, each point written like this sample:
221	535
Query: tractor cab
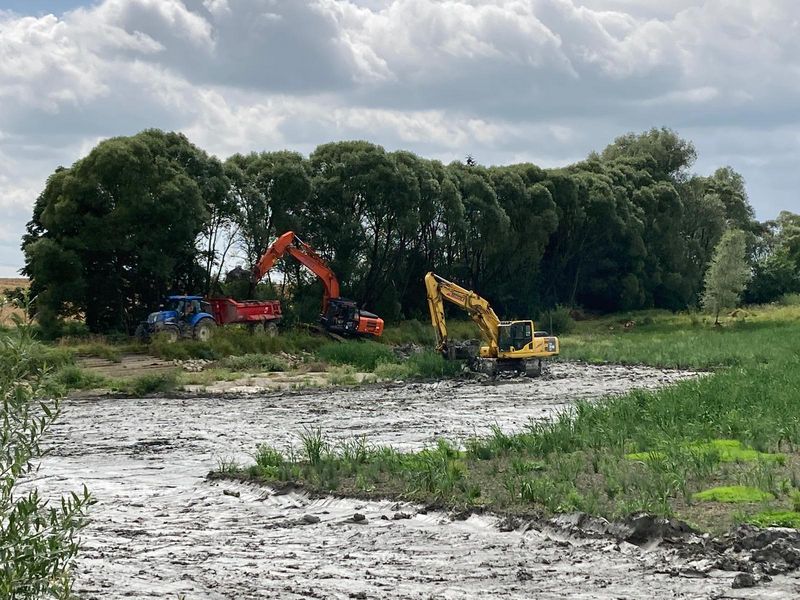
187	307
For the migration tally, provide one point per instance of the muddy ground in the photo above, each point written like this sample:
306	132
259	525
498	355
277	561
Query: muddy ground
161	530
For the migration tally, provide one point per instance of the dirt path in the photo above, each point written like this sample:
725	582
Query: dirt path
161	530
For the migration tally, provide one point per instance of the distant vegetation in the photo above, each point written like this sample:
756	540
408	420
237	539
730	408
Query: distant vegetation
628	228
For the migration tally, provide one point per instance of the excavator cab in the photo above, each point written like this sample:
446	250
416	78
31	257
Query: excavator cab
345	318
341	316
515	335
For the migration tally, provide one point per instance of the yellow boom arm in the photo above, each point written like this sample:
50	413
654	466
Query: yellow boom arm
477	308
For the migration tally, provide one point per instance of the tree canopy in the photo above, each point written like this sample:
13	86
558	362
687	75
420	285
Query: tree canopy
629	227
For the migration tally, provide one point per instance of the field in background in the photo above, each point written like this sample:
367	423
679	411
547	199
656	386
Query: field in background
6	310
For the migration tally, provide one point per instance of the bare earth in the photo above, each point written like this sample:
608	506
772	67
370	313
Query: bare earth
160	529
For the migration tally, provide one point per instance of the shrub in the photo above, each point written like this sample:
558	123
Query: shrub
254	362
342	375
38	539
152	383
557	321
72	377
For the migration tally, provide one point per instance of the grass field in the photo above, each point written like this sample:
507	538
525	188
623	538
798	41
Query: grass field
7	309
714	450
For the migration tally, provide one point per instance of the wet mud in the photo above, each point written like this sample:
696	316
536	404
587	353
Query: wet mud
160	529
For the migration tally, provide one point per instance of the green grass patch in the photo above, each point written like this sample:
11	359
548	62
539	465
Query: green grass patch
254	363
422	365
342	375
363	355
725	450
732	493
237	341
676	341
776	518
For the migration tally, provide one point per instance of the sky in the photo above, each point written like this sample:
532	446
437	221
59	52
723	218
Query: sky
504	81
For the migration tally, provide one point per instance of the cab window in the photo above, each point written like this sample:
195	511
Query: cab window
516	335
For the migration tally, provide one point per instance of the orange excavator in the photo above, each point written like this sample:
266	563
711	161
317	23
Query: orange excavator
339	315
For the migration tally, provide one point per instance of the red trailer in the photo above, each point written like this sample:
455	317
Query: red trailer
248	312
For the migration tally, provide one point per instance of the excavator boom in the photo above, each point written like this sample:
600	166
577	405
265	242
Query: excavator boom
509	345
477	308
290	244
339	316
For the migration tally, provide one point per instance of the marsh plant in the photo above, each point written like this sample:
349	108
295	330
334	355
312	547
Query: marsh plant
38	539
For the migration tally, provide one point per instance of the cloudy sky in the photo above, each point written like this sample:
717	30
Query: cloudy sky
505	81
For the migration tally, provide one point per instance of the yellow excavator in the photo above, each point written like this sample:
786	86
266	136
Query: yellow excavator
511	346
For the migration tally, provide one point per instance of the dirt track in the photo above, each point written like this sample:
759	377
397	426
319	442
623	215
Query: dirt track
160	529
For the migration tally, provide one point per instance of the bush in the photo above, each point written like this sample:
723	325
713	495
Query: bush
557	321
72	377
152	384
342	375
38	539
363	355
254	362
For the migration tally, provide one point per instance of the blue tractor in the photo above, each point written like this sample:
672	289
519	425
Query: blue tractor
182	317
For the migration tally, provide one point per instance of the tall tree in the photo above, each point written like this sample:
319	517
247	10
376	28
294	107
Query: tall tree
117	230
727	274
269	190
777	260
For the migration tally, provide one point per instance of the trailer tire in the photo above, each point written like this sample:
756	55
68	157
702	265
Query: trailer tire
204	330
270	329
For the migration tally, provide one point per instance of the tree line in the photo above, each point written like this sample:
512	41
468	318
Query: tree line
629	227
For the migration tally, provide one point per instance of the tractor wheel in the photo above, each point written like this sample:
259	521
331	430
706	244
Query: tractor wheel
142	334
170	333
204	330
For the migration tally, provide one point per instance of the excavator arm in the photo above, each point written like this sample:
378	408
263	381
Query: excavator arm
439	289
290	244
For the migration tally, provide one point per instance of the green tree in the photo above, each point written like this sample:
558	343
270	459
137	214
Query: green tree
666	155
364	212
777	264
38	539
727	274
117	230
269	190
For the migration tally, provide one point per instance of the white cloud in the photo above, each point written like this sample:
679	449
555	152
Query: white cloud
503	80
